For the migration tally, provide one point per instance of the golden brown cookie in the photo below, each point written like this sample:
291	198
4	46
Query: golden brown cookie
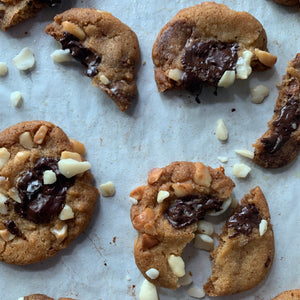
288	2
41	297
46	193
209	45
167	211
280	144
107	48
288	295
245	252
13	12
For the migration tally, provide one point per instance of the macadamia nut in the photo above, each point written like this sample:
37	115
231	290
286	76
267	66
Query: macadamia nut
243	65
66	213
245	153
24	60
49	177
162	195
259	93
3	69
241	170
177	265
205	227
4	157
25	140
227	79
204	242
152	273
61	56
221	131
196	292
148	291
16	98
70	167
107	189
263	226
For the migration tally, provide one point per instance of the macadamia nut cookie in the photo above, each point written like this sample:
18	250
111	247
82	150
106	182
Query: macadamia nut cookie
245	252
107	48
288	295
41	297
13	12
280	144
46	192
166	215
209	45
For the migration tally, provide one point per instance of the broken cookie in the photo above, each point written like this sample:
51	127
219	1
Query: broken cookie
108	49
288	295
41	297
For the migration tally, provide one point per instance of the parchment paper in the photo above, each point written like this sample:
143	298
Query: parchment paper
157	129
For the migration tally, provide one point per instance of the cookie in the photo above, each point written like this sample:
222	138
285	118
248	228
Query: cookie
167	211
13	12
107	48
245	252
288	2
209	45
46	193
280	144
41	297
288	295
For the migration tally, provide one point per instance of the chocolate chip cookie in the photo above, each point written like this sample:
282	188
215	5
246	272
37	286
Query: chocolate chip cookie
288	2
107	48
41	297
209	45
280	144
288	295
245	252
13	12
166	213
46	192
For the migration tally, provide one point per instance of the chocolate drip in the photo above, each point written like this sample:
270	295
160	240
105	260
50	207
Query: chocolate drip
87	57
12	228
190	209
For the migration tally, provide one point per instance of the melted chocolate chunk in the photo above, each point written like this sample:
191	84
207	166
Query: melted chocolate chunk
50	2
204	63
190	209
287	122
244	220
40	203
87	57
12	228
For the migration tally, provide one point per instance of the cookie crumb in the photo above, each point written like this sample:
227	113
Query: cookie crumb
107	189
221	131
241	170
259	93
16	98
61	56
3	69
24	60
148	291
196	292
245	153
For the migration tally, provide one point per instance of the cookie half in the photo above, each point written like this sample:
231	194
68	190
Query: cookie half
41	297
166	215
288	295
46	193
108	49
13	12
209	45
245	252
280	144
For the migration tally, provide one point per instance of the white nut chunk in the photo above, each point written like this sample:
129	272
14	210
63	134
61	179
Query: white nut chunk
61	56
70	167
185	280
265	57
196	292
24	60
223	159
221	131
61	233
69	154
66	213
175	74
25	140
243	68
16	98
6	235
148	291
107	189
225	205
104	80
205	227
152	273
227	79
259	93
162	195
245	153
177	265
74	29
3	69
49	177
4	157
133	201
204	242
241	170
263	226
3	207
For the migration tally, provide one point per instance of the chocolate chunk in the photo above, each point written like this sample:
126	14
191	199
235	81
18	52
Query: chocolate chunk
40	203
244	220
87	57
12	228
190	209
204	63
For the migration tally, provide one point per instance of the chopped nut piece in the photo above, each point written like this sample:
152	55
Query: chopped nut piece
66	213
175	74
185	280
177	265
6	235
49	177
3	69
205	227
224	207
221	131
25	140
70	167
24	60
77	146
152	273
204	242
265	58
104	80
201	175
13	194
21	157
246	153
241	170
182	189
107	189
162	195
3	207
243	68
223	159
68	154
143	218
227	79
154	175
40	135
61	233
148	291
61	56
16	98
4	157
73	29
263	226
196	292
133	201
259	93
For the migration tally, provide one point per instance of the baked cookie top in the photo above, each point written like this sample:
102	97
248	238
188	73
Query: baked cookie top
167	211
108	49
13	12
280	144
288	295
46	193
209	45
245	252
41	297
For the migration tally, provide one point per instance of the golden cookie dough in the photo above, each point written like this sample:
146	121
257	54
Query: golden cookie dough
243	257
288	295
108	48
280	144
204	41
41	212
